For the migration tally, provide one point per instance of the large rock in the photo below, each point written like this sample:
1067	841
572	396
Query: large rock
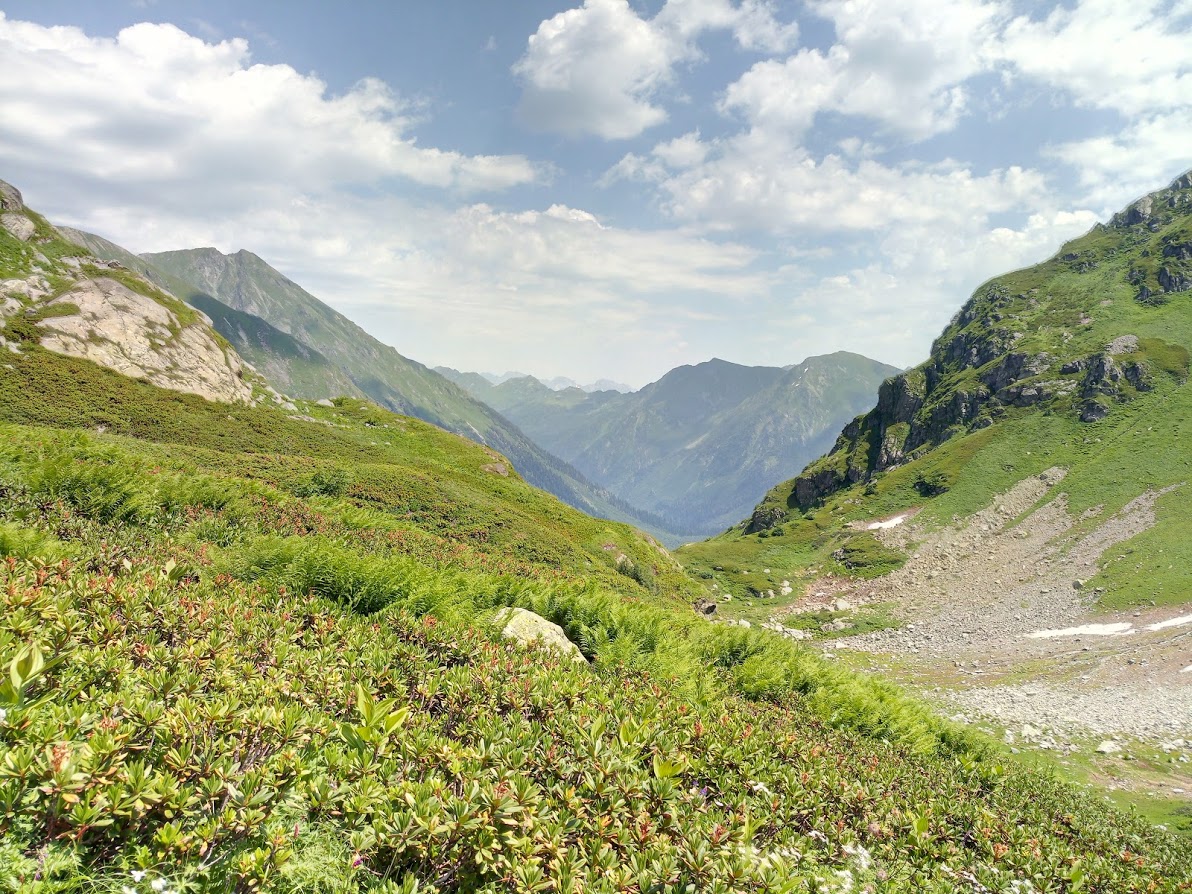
19	225
141	338
526	627
10	198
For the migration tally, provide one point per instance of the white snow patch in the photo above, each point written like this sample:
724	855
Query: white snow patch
893	522
1171	622
1117	629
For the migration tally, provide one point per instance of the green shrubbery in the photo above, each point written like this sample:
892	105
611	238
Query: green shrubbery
208	734
243	690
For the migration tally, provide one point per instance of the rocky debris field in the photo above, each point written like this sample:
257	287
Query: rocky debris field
999	625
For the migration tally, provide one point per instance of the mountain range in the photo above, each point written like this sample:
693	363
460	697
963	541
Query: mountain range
254	642
557	383
309	350
698	447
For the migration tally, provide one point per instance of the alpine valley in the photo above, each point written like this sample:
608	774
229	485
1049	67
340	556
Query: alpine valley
270	624
700	446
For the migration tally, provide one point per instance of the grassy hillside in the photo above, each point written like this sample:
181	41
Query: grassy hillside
250	652
1079	362
699	446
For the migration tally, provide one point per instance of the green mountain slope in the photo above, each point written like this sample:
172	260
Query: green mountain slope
247	285
1080	362
700	445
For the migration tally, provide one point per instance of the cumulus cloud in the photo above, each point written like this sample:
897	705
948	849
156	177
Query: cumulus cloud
156	103
899	63
753	182
1134	58
599	68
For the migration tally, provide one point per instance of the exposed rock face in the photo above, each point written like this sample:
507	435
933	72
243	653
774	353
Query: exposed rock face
19	225
1173	280
10	198
138	337
764	519
526	627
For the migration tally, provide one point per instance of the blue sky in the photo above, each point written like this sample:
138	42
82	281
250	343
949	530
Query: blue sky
604	188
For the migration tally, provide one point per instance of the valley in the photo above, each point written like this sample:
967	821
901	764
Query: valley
364	708
698	447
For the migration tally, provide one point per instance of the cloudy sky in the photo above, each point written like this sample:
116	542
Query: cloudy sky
609	188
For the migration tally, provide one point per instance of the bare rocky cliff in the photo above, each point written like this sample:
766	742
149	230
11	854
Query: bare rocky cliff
54	294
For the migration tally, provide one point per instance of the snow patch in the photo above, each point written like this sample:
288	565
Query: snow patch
1171	622
1117	629
893	522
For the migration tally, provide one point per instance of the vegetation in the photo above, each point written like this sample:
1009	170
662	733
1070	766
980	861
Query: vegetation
199	701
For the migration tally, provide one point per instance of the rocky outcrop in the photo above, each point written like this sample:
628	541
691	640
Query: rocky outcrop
19	226
765	518
10	198
1173	280
12	216
104	321
525	627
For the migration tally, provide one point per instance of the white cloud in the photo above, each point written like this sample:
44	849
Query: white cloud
899	63
599	68
1117	168
755	183
1135	57
156	103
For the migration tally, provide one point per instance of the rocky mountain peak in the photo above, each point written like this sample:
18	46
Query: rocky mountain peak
10	198
1033	340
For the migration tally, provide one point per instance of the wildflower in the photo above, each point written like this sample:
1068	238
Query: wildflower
159	885
3	716
137	874
125	889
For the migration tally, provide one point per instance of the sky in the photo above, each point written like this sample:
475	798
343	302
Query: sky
606	188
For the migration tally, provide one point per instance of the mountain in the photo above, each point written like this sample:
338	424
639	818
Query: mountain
607	385
474	383
292	366
700	445
249	648
310	350
69	302
1098	333
1007	526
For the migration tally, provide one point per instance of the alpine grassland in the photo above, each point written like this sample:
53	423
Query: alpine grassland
246	650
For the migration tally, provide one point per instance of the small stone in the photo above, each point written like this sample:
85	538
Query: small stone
1108	747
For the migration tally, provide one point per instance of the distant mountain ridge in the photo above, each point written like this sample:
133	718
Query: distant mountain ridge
558	383
311	351
702	444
